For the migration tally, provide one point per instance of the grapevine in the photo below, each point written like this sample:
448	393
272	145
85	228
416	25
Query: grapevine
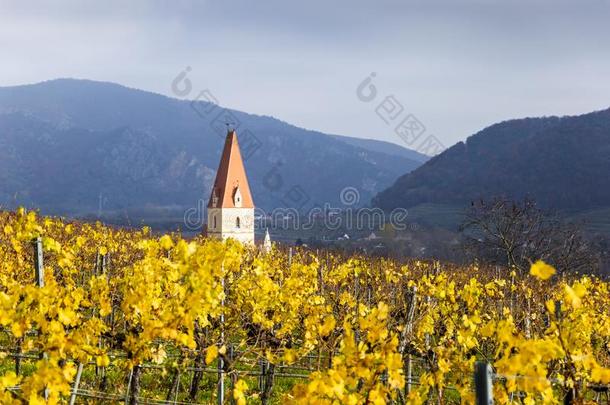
128	301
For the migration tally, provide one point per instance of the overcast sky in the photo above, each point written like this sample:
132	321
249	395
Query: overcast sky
457	66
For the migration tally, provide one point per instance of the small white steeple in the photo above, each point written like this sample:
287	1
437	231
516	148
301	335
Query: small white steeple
267	242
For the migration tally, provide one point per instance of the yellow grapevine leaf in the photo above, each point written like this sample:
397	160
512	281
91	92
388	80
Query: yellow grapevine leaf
542	270
211	354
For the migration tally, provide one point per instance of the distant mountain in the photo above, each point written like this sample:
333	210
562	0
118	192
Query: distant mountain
384	147
562	163
77	147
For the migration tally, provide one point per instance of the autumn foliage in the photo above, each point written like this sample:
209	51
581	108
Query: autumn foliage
170	301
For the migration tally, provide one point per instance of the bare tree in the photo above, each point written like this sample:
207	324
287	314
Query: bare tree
511	233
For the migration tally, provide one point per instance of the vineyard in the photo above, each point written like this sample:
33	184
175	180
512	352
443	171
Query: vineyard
92	314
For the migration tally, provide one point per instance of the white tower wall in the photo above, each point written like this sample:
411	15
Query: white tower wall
235	223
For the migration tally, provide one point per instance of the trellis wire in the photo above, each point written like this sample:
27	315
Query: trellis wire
483	373
483	376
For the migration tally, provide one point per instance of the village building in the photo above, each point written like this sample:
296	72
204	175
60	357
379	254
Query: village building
231	207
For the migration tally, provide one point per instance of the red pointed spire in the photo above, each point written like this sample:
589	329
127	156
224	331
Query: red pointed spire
231	177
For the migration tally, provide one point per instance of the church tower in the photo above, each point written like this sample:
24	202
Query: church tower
231	208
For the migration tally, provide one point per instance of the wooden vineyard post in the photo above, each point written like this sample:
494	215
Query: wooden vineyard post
96	268
357	296
483	383
221	363
568	399
39	280
38	262
261	378
221	381
74	393
100	269
269	375
320	280
177	387
321	293
427	336
231	370
558	311
409	326
101	263
528	323
39	270
128	391
18	357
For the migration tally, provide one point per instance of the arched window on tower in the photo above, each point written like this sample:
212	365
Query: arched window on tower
214	222
237	223
237	200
